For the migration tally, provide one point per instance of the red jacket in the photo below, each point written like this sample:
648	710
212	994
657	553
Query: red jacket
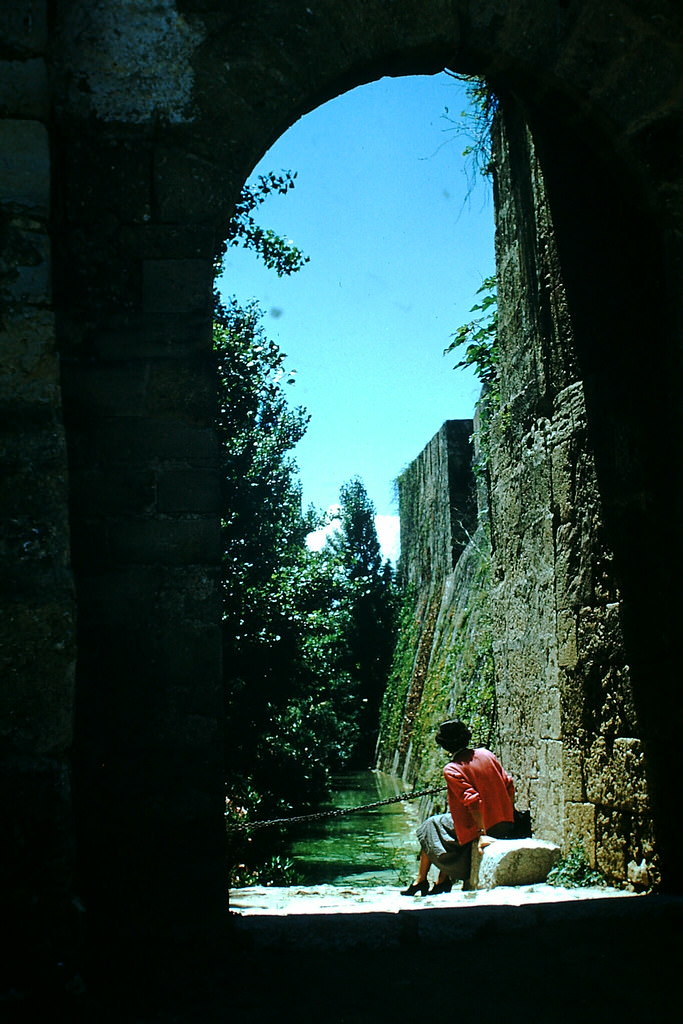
478	778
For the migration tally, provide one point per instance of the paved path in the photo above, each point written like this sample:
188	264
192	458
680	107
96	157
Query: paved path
329	899
328	918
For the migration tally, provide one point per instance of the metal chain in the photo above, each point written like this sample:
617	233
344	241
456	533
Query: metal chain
337	812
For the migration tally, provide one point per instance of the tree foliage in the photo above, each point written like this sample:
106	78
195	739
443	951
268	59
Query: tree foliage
303	632
277	253
355	542
370	601
265	566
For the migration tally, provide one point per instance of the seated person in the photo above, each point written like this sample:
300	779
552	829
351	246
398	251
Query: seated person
481	798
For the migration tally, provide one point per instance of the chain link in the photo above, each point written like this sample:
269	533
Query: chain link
337	812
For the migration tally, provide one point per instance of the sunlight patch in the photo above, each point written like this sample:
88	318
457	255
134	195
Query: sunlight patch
388	534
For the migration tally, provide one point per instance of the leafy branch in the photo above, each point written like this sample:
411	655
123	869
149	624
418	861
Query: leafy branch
476	122
278	254
480	336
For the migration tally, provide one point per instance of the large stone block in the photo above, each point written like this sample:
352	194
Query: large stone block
572	776
30	367
37	666
177	286
25	165
166	542
154	241
513	862
567	656
133	441
108	178
580	827
113	490
23	26
185	388
148	71
152	335
111	390
187	186
24	89
189	490
27	280
615	774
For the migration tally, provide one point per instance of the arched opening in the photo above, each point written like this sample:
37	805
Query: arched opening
399	237
559	308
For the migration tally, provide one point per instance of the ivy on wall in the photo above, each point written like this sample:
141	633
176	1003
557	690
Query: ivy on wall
443	668
392	713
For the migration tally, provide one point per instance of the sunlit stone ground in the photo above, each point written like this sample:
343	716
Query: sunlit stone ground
330	899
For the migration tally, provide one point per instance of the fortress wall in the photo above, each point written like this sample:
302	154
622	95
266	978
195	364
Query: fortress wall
532	605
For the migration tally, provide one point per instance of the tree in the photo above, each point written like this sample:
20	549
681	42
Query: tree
290	715
263	529
306	634
369	600
277	253
356	543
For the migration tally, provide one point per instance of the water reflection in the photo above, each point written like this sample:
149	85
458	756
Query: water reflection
375	847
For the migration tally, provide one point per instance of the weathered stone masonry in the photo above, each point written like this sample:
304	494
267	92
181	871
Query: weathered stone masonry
126	131
570	721
562	666
37	641
544	595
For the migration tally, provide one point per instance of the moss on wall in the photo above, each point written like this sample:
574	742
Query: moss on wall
443	667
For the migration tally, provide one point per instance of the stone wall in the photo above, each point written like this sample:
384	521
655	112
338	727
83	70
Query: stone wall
37	625
444	655
569	726
438	505
550	604
135	236
126	132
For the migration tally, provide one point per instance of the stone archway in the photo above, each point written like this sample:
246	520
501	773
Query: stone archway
159	114
167	192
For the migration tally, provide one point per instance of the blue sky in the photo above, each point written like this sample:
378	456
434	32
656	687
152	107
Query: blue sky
397	252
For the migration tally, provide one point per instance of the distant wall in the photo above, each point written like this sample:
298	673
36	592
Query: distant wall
443	657
438	504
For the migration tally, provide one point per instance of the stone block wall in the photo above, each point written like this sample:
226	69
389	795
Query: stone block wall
541	608
568	720
438	504
126	132
37	643
135	227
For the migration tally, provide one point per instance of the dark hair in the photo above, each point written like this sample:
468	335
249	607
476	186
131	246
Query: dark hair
453	735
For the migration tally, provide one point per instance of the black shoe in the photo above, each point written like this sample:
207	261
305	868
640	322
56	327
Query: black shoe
417	888
440	887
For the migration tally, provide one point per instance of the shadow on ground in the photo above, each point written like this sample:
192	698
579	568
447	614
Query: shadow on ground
599	960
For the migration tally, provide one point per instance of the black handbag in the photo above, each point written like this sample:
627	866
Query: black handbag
522	825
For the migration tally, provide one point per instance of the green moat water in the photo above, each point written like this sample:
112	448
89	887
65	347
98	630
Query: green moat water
366	848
